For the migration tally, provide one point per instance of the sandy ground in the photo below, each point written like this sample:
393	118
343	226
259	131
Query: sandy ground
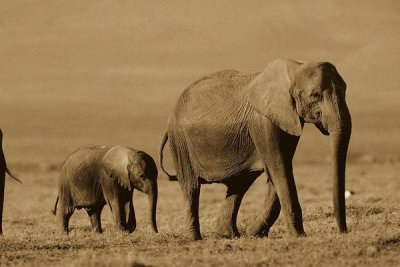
32	236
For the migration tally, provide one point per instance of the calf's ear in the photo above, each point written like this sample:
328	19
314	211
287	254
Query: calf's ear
116	162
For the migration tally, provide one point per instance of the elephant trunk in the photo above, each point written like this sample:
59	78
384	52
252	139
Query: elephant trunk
340	131
153	196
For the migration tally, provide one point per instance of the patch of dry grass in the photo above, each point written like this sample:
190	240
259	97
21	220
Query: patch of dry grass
32	238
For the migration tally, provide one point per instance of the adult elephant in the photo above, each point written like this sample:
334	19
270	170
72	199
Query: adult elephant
3	171
229	127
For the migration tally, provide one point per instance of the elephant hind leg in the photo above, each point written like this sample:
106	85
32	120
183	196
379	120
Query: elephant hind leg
190	187
226	224
191	200
269	215
95	218
65	211
65	214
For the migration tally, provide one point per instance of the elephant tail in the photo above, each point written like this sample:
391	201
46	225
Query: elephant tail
54	211
12	175
164	141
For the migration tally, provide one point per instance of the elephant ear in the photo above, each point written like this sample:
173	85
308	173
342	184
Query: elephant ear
116	162
269	95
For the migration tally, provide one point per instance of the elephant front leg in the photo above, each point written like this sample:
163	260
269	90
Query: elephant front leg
131	224
118	210
276	148
283	181
269	215
226	224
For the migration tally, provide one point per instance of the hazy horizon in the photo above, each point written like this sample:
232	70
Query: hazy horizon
107	72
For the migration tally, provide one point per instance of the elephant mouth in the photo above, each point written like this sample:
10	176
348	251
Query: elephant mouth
312	115
321	128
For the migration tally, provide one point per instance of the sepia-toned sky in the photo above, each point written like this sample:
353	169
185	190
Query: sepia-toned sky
96	71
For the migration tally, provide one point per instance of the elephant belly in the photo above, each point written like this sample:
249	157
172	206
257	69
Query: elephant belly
222	153
228	167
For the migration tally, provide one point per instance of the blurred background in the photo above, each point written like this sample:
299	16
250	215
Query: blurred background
109	72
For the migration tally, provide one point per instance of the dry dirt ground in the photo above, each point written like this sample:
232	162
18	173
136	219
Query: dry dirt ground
32	238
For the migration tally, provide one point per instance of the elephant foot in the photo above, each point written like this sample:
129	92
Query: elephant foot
257	230
64	231
194	235
130	230
226	231
295	229
121	228
97	231
196	238
294	233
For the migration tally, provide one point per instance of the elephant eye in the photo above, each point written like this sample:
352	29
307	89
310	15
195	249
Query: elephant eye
142	176
316	95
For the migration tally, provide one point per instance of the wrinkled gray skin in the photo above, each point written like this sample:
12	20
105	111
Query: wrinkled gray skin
229	127
94	176
3	171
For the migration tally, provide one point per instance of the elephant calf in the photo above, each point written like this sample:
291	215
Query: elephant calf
93	176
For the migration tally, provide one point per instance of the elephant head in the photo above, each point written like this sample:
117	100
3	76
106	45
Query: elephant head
290	93
134	169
